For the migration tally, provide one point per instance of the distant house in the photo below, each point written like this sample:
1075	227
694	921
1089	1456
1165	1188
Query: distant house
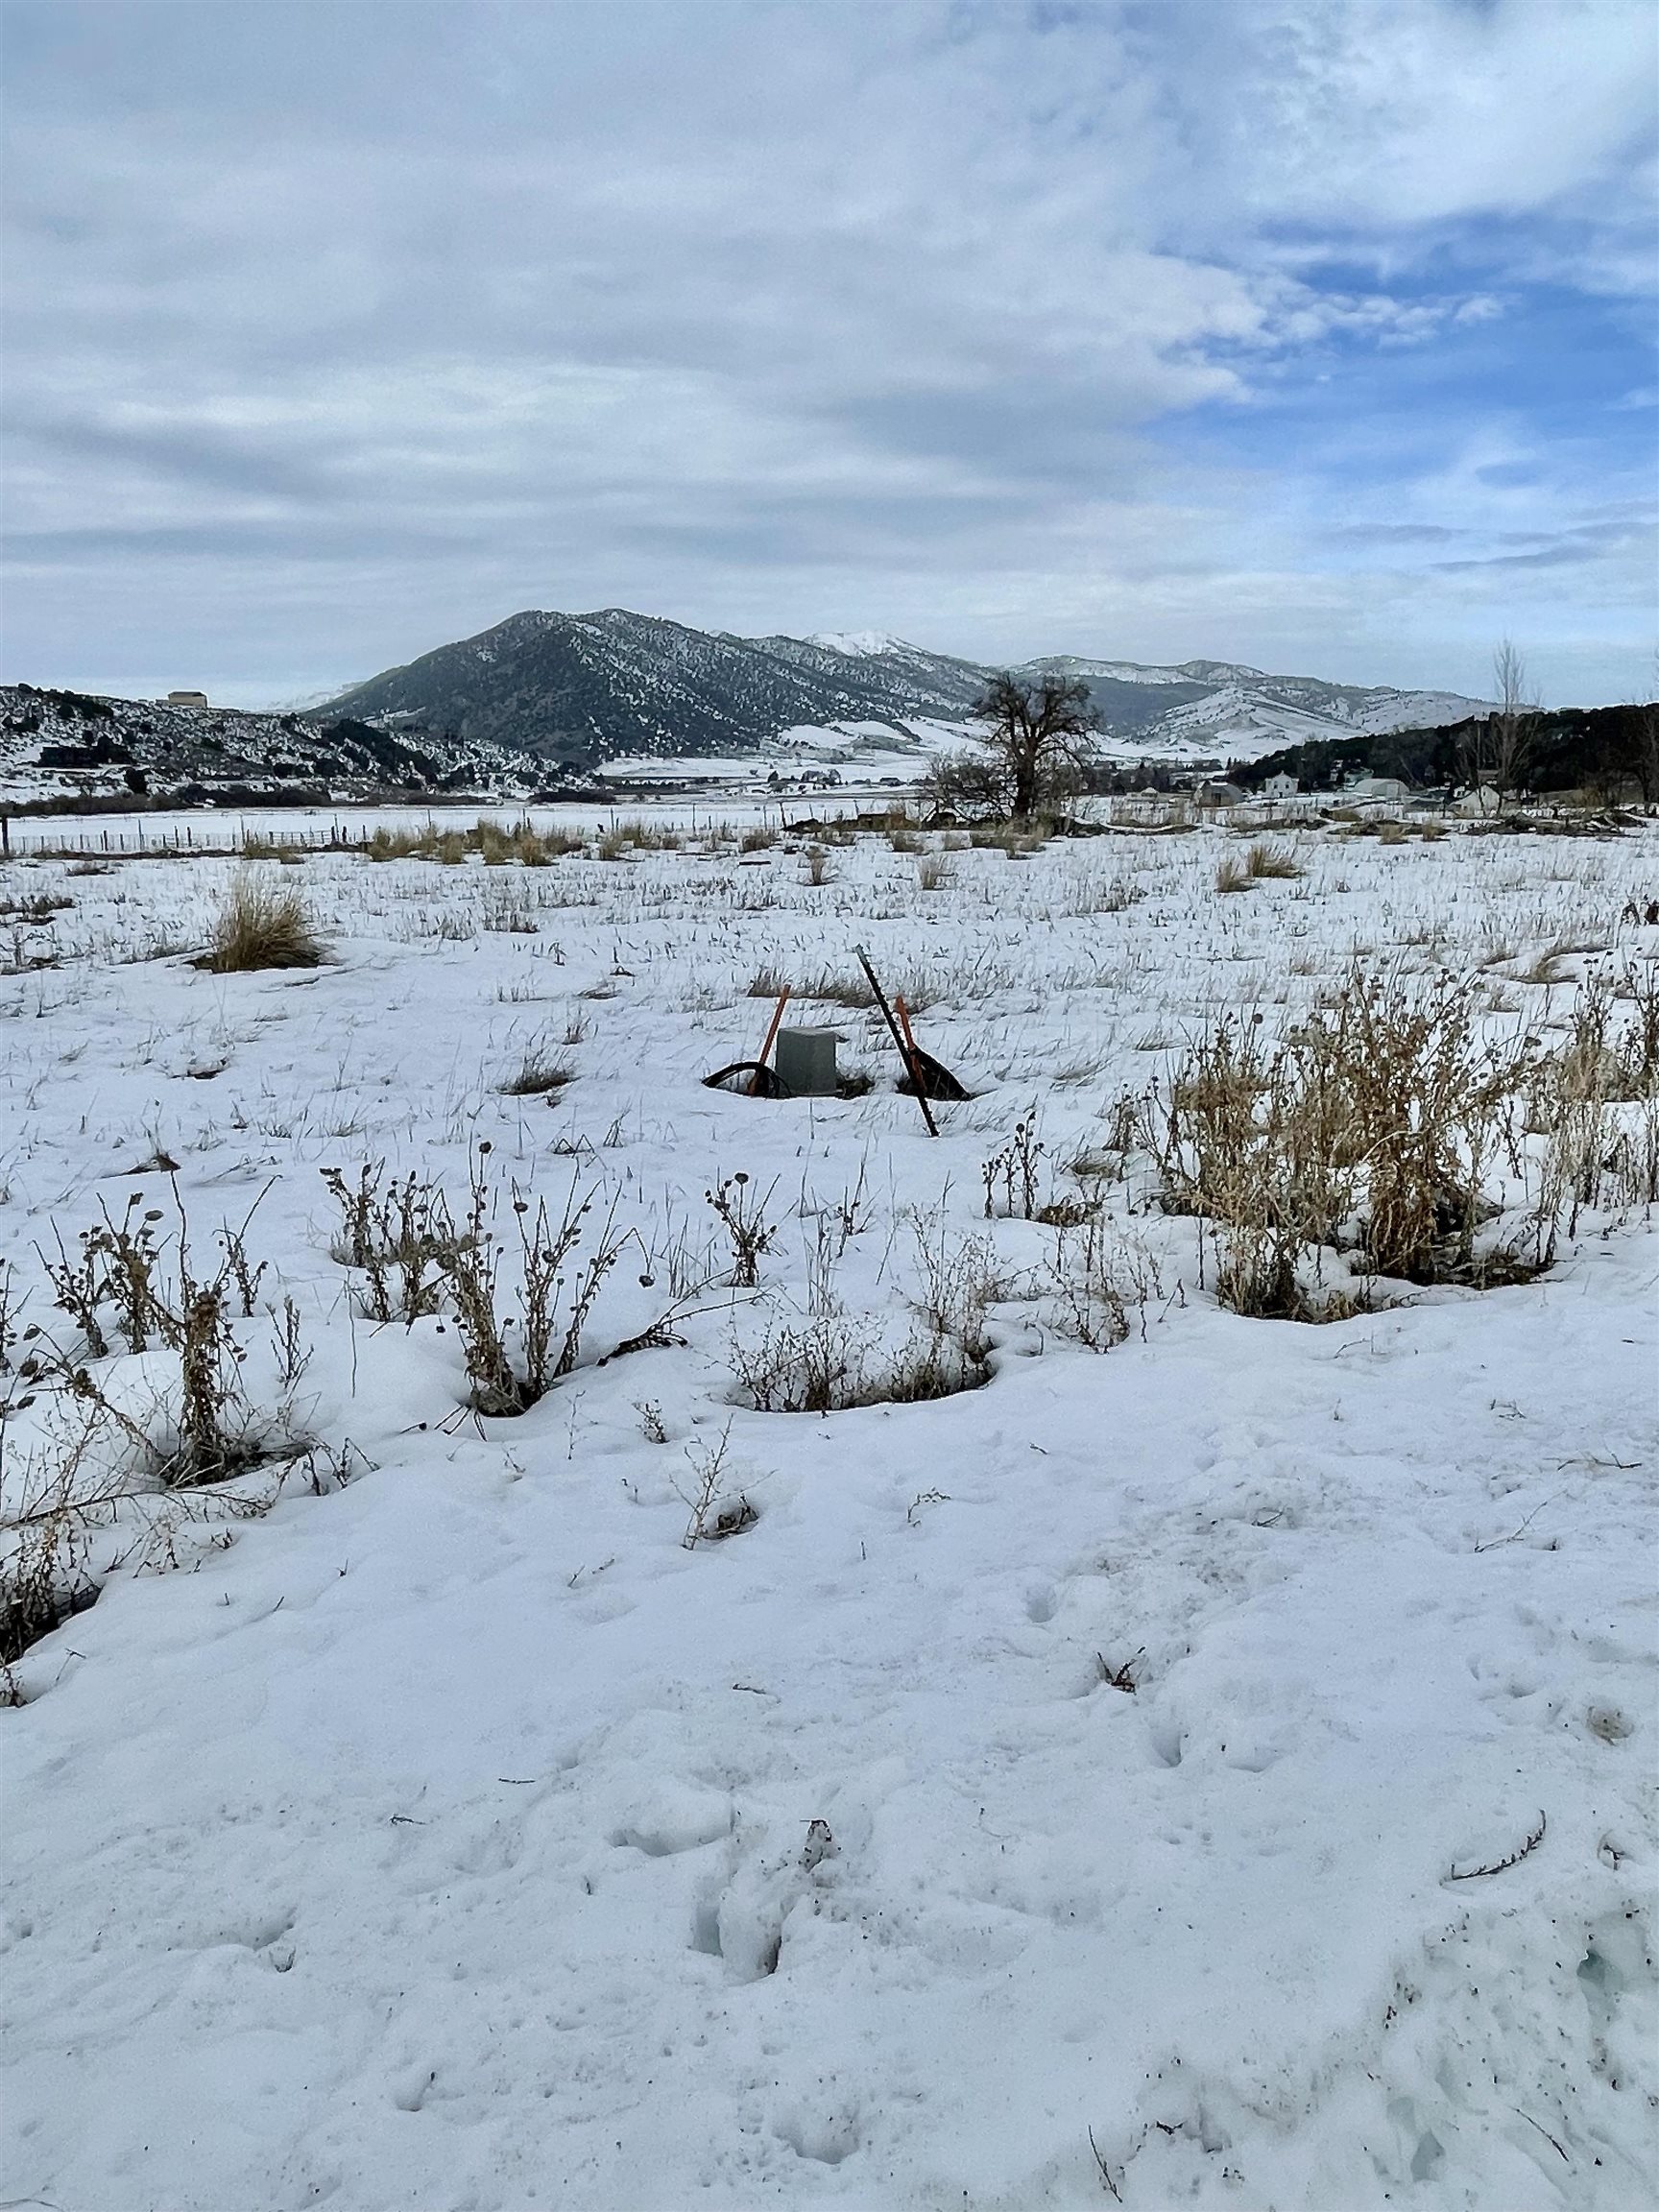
1281	785
187	699
1479	802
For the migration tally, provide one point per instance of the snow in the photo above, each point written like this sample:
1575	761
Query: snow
859	644
459	1838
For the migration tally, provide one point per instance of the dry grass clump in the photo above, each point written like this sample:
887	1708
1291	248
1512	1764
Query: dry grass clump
852	992
933	871
537	1074
1264	861
827	988
641	835
387	844
1374	1125
1604	1058
34	911
1016	843
498	845
510	908
1109	895
1232	874
262	924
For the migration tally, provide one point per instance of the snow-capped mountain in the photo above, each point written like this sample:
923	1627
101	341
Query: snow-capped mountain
581	687
1222	708
544	697
590	687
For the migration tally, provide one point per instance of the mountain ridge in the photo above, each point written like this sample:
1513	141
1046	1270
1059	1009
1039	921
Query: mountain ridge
543	701
579	688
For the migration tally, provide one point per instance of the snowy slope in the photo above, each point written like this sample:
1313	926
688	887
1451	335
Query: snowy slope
1218	707
459	1838
583	686
615	684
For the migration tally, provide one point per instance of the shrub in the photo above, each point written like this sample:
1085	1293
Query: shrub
200	1429
1597	1100
262	924
1010	1176
44	1546
551	1311
742	1211
832	1360
396	1235
1095	1280
1382	1108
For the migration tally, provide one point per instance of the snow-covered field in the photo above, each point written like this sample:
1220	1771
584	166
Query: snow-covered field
456	1837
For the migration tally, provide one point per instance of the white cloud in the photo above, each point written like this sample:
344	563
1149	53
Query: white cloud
766	316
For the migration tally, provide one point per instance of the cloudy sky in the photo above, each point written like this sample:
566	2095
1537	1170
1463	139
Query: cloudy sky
1314	335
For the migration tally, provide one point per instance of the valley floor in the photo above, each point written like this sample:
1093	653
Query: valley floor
1106	1785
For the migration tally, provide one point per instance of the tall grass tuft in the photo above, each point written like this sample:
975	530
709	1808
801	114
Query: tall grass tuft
262	924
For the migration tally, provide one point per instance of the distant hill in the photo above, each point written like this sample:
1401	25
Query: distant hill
589	687
69	747
1612	750
583	688
1221	708
540	702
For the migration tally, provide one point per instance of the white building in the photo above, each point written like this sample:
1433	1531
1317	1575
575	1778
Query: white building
1479	801
1281	785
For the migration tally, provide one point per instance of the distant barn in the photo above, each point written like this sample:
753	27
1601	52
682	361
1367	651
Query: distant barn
186	698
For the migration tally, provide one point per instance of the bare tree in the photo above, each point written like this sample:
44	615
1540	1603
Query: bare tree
1034	736
1512	727
1646	749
